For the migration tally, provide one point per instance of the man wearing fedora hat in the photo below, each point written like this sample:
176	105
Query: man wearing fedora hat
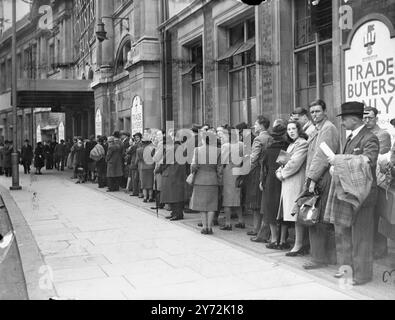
354	240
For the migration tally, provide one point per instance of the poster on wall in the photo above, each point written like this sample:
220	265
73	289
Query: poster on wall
38	134
137	115
61	132
370	70
98	123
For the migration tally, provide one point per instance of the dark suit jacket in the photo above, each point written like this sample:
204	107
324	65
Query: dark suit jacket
366	143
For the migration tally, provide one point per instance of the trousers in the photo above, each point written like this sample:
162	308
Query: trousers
322	243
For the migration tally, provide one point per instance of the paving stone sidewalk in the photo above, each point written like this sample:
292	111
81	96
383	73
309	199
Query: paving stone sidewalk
98	247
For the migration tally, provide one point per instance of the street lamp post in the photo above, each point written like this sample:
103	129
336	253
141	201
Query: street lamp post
14	155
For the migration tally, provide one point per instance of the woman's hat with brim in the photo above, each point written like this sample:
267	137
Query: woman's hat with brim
352	108
279	130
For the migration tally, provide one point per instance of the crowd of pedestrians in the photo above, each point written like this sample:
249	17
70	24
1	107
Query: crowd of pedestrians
288	171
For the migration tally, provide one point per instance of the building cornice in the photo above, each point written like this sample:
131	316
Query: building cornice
184	14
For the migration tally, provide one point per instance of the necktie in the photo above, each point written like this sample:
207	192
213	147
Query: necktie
347	142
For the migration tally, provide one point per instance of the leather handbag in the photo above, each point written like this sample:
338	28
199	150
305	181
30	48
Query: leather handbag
191	179
308	214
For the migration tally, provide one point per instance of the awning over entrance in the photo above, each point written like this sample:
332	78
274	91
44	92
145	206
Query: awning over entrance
55	94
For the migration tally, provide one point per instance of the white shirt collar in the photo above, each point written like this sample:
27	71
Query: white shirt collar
356	131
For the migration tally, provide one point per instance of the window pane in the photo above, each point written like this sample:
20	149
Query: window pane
326	63
197	58
250	29
197	114
236	34
312	68
303	31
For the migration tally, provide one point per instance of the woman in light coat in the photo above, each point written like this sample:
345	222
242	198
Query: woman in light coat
231	157
292	176
207	169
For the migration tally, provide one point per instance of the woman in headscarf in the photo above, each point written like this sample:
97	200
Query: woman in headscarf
146	167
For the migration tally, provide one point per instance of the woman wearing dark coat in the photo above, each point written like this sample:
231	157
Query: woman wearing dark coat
39	157
79	163
133	169
173	182
270	185
114	160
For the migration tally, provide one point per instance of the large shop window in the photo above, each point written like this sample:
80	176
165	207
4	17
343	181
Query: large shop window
313	52
240	58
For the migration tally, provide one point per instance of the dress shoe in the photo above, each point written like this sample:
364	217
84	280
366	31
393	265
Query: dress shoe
151	200
240	225
252	233
176	218
200	224
313	265
300	252
145	200
284	246
169	217
272	245
256	239
226	228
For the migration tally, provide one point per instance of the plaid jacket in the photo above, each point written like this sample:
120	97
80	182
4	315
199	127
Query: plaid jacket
351	183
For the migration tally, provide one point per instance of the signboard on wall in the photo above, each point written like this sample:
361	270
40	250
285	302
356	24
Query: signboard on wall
61	132
137	116
370	69
38	134
98	123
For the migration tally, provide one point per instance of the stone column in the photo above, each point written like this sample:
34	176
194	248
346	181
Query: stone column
107	9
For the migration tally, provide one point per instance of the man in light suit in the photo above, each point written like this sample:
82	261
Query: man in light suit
354	245
370	118
321	235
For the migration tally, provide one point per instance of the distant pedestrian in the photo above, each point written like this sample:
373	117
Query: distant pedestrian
90	163
79	163
100	159
39	157
1	158
60	155
27	156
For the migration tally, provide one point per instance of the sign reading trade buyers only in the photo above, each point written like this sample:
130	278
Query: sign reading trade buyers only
370	69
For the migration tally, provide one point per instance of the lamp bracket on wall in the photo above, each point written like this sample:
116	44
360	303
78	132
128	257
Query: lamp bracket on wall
101	33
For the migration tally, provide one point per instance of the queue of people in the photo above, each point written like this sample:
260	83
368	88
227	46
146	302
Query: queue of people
272	173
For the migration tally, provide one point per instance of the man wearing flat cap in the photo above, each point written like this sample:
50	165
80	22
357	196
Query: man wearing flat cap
354	222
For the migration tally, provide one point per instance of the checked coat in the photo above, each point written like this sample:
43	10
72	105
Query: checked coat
354	245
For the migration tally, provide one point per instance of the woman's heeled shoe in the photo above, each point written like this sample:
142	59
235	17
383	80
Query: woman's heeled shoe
272	245
283	246
240	225
300	252
226	228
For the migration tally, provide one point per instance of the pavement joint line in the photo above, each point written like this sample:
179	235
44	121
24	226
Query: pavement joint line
234	245
217	239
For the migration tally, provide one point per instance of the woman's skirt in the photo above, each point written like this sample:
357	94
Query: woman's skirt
204	198
253	196
147	179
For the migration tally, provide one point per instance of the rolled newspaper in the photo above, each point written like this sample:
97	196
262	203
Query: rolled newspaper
327	151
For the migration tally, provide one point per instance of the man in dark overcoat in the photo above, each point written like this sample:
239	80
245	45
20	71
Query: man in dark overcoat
114	164
27	156
354	244
173	181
